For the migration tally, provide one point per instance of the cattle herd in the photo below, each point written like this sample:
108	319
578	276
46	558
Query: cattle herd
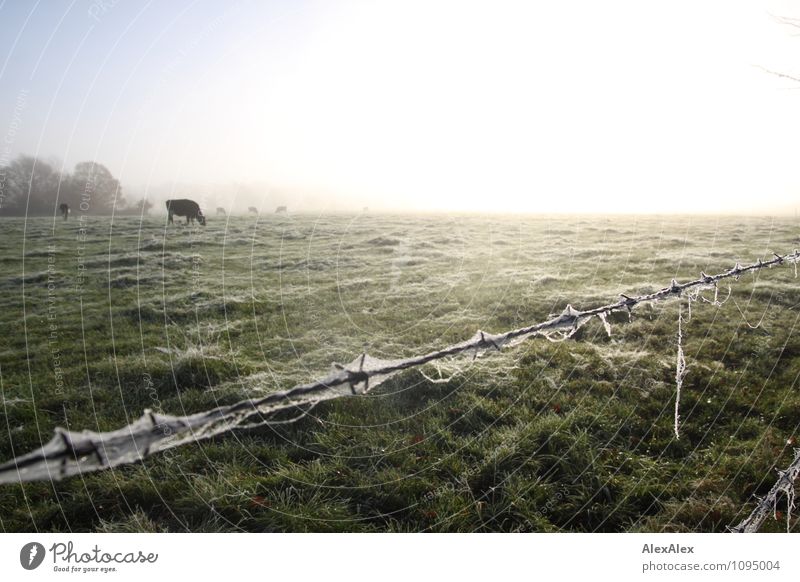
183	207
188	209
191	211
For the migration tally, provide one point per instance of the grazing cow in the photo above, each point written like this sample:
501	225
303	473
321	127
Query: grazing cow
252	210
280	209
220	210
188	208
63	210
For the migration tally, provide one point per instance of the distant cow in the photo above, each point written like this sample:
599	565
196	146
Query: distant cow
280	209
220	210
365	209
63	210
188	208
252	210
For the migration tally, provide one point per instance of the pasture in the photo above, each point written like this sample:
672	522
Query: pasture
103	319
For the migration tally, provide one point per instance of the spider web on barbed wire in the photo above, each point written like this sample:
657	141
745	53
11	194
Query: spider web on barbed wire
71	453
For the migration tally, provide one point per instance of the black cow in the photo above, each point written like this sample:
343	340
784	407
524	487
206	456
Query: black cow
252	210
188	208
280	210
63	210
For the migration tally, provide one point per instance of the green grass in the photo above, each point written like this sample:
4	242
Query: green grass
571	436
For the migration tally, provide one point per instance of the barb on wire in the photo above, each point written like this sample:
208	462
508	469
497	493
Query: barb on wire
768	504
70	453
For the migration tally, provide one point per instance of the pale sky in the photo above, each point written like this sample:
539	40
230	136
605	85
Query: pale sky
558	106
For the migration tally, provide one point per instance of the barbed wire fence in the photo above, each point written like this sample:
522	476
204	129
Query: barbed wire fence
70	453
769	503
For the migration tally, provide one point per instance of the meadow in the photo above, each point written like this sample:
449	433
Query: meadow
101	319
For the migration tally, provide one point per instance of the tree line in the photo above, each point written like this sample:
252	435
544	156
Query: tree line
29	186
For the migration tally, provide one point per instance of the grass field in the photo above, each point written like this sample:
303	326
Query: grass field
100	321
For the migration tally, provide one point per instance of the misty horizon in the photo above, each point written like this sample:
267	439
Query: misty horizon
238	198
443	107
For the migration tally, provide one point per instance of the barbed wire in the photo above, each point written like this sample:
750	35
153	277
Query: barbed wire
769	503
70	453
680	371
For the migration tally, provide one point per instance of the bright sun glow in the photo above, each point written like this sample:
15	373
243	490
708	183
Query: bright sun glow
620	106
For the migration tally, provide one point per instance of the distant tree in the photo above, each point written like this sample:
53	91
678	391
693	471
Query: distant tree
29	186
144	206
92	189
795	23
139	208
